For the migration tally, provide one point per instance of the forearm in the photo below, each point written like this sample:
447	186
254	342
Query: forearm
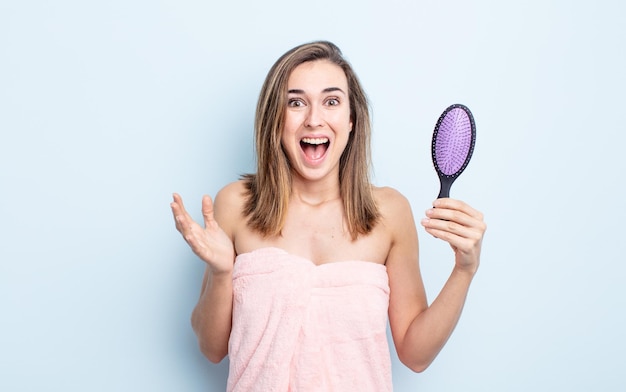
430	330
212	316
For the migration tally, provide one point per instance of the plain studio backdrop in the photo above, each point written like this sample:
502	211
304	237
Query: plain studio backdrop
106	108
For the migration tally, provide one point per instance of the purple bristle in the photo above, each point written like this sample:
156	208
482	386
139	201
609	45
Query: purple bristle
453	141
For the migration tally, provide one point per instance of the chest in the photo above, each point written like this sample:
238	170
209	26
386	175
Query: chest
322	236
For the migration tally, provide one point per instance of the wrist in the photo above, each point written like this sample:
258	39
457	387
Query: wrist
221	275
218	282
466	270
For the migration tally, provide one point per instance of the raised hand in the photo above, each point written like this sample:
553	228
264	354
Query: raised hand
461	226
211	243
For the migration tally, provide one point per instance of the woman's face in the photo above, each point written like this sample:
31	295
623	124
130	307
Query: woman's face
317	119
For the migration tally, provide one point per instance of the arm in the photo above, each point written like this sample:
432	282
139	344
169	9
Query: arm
211	318
420	331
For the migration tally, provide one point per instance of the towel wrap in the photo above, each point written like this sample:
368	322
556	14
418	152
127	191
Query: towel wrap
303	327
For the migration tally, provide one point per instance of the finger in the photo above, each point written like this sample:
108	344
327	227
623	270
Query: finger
449	227
447	236
178	200
207	211
458	205
181	217
176	206
454	221
465	241
454	216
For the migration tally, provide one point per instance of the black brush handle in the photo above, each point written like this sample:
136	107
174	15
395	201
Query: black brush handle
446	184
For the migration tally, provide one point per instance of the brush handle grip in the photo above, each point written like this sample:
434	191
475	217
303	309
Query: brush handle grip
446	184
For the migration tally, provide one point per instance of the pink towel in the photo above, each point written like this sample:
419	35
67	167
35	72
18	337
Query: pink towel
301	327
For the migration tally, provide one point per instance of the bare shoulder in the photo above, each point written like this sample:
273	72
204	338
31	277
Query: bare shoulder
228	205
232	194
392	203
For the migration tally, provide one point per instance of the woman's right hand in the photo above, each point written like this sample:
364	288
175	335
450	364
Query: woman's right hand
211	243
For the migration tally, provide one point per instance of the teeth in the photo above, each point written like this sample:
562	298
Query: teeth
315	140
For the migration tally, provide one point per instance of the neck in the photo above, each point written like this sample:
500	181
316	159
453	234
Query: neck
315	192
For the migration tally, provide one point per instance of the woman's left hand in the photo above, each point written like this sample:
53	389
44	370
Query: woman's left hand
459	225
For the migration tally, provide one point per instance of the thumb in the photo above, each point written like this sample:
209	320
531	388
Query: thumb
207	211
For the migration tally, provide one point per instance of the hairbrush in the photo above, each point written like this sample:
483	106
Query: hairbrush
453	144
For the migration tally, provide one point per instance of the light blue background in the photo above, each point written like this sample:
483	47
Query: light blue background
106	108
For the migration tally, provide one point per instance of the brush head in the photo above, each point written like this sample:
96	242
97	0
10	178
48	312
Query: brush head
453	140
453	145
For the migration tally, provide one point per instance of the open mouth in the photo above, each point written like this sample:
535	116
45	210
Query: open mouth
314	148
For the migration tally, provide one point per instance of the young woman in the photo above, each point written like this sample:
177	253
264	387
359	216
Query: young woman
306	259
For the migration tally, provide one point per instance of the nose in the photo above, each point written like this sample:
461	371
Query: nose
315	117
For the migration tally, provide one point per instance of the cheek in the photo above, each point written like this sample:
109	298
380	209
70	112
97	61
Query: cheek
288	134
287	143
289	128
344	119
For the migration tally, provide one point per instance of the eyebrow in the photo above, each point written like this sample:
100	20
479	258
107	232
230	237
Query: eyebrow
326	90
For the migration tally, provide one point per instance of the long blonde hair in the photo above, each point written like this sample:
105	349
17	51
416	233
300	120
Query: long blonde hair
269	190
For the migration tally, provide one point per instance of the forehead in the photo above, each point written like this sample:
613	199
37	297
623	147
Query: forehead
317	75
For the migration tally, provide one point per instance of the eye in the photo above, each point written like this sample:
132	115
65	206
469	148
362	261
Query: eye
332	102
295	103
